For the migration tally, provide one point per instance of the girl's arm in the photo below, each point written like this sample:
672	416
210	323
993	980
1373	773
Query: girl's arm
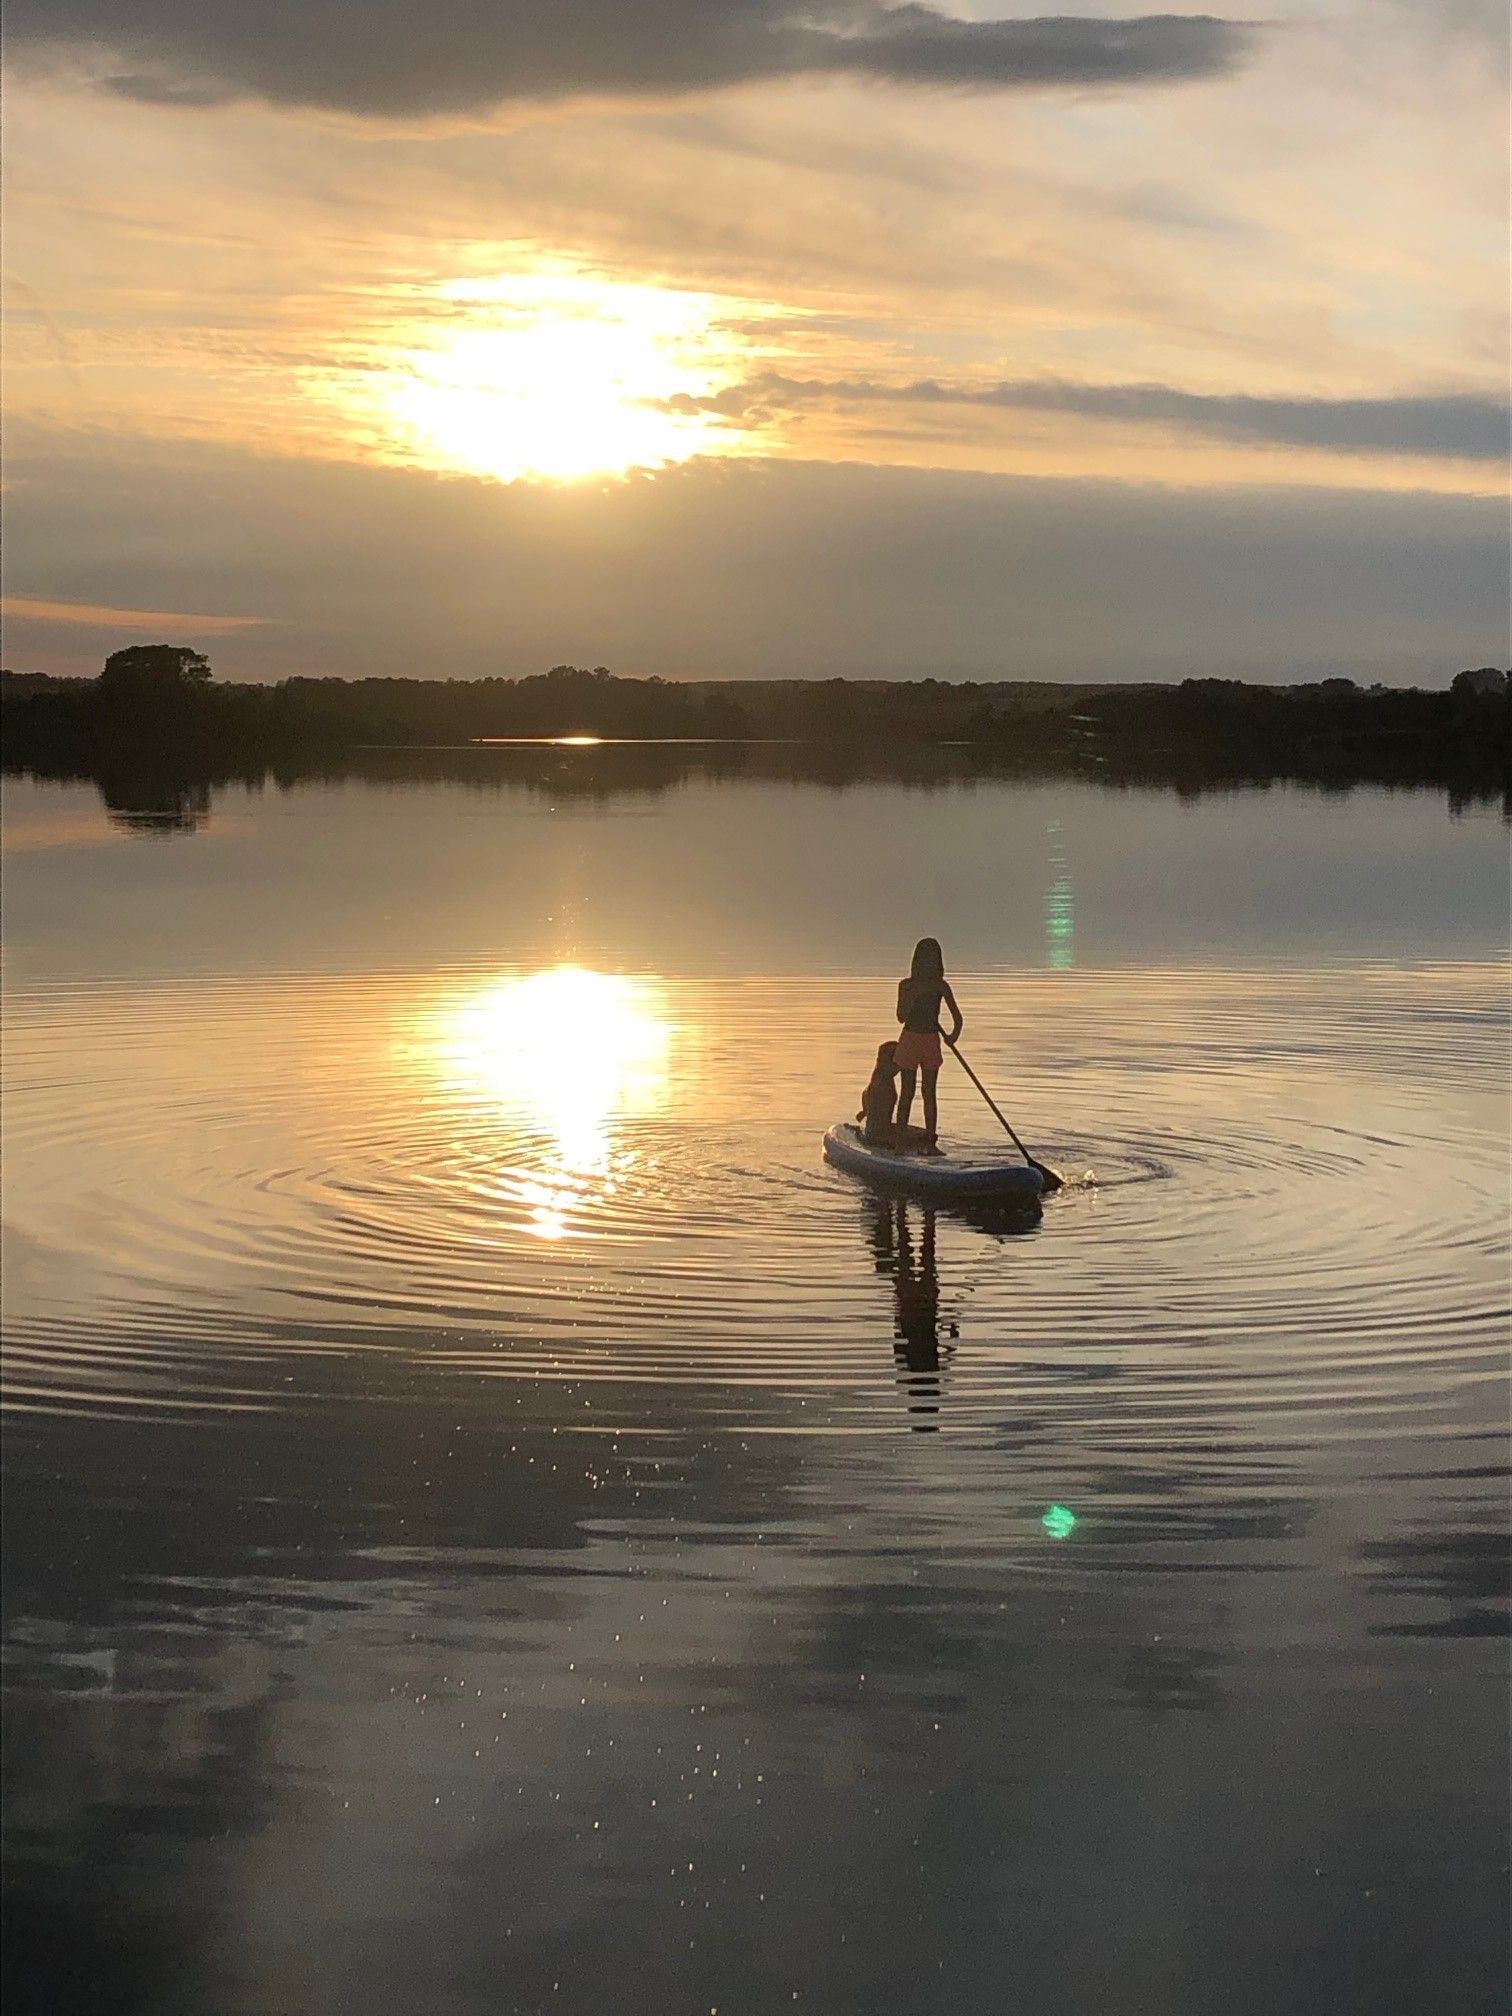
903	992
948	999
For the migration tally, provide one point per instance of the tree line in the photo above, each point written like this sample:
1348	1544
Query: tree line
160	701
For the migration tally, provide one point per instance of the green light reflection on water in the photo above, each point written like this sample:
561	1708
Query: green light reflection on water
1058	1521
1060	919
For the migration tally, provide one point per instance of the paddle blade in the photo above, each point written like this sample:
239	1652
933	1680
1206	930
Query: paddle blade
1049	1181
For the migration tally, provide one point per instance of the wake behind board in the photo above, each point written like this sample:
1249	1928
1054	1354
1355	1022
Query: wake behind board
965	1173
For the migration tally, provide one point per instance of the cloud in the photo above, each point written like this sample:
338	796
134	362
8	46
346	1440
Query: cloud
93	616
1448	426
390	58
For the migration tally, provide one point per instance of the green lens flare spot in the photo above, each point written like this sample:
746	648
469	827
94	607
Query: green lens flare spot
1059	1521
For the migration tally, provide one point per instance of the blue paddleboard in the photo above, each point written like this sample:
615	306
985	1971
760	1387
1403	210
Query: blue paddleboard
971	1172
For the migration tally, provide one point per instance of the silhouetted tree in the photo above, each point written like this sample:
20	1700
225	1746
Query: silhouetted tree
154	669
1484	682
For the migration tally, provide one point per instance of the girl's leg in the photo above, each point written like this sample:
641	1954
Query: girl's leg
905	1097
931	1103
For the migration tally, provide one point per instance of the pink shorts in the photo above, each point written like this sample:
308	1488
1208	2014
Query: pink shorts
916	1050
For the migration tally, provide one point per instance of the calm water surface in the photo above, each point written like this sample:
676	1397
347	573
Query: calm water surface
494	1524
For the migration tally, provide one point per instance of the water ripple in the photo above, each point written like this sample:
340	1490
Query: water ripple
227	1197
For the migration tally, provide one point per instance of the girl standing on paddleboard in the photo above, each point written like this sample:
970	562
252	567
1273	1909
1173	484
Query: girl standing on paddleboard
920	998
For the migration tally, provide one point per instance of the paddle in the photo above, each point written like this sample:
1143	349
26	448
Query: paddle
1048	1178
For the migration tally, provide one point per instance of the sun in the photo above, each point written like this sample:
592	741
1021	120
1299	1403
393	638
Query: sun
559	377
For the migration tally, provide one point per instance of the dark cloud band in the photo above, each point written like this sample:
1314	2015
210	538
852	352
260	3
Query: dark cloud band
736	569
1461	427
389	57
916	45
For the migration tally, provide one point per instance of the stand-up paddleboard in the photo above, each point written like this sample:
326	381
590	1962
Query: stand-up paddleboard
971	1172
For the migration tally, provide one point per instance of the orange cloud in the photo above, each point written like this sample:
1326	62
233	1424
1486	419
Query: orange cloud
122	619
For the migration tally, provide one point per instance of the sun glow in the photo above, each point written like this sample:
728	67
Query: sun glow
568	1051
560	377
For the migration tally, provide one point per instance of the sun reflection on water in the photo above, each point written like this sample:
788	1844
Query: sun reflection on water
568	1051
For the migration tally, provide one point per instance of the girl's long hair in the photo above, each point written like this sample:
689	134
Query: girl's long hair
928	961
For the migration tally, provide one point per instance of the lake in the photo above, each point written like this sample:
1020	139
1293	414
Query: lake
493	1523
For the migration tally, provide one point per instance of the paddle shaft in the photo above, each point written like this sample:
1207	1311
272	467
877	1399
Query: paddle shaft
994	1105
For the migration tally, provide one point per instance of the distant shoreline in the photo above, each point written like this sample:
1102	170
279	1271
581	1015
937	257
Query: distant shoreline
158	714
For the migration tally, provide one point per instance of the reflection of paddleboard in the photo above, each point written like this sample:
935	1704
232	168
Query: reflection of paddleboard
969	1173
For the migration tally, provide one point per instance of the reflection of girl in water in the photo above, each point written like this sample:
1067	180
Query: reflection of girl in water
920	999
916	1302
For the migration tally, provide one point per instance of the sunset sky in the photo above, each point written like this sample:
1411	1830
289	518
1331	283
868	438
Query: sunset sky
732	338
